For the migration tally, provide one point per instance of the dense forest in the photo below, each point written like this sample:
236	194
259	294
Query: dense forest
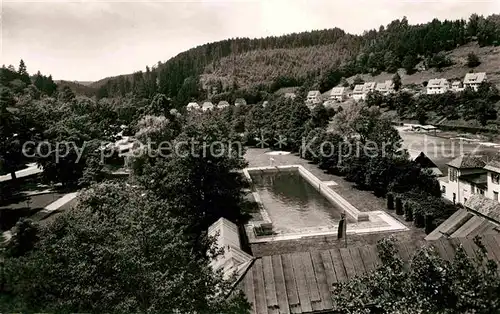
318	58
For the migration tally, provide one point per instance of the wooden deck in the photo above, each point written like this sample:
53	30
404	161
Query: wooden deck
302	282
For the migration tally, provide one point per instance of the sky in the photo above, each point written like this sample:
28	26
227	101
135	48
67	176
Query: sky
89	40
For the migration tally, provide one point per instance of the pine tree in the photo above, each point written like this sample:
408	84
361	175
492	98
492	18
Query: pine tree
23	73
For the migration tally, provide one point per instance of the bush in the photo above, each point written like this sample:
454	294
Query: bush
429	224
418	220
408	211
399	206
390	201
472	60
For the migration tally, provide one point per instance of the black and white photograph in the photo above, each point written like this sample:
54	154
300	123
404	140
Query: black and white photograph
250	156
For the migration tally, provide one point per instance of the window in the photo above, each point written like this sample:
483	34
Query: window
465	200
481	192
495	178
454	198
443	189
495	196
453	174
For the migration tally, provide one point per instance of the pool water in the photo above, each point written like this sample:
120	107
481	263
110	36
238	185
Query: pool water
293	204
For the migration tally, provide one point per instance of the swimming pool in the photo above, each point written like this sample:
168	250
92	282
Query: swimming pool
293	204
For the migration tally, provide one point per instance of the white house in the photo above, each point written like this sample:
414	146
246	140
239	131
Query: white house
313	97
240	101
207	106
233	260
337	93
466	176
192	106
437	86
457	86
222	104
385	88
473	80
493	169
358	92
361	91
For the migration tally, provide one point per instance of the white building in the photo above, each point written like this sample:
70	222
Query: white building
240	102
192	106
222	104
207	105
473	80
337	93
457	86
358	92
361	90
313	97
290	95
233	260
466	176
437	86
493	170
385	88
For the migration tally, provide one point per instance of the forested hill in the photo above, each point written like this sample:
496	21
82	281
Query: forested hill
318	58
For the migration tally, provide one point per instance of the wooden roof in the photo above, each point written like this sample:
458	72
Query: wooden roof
302	282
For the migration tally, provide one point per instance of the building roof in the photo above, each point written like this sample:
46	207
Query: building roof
207	105
240	101
438	82
385	86
424	161
193	105
223	104
481	216
302	282
467	162
359	88
484	206
337	91
369	86
290	95
456	83
233	260
473	78
313	93
493	165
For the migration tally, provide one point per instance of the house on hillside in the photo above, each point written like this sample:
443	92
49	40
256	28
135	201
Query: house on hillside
192	106
361	90
222	104
385	88
457	86
358	92
207	105
313	97
437	86
233	260
290	95
473	80
338	93
240	102
466	176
